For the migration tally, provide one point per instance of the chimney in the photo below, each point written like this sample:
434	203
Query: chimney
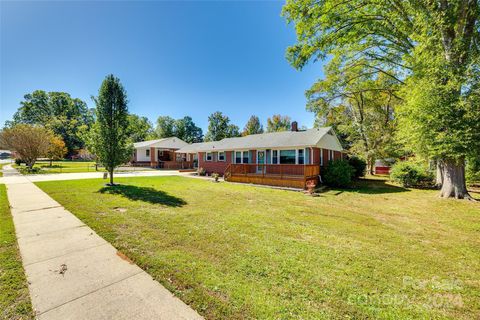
294	126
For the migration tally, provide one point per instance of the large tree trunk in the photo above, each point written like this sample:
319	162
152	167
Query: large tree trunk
439	175
453	186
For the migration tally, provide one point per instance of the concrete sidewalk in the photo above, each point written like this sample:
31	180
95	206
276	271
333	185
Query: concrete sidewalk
75	274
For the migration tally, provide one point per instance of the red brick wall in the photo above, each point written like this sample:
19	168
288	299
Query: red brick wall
337	155
316	156
215	165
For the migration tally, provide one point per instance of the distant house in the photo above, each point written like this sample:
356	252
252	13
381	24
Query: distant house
288	158
160	153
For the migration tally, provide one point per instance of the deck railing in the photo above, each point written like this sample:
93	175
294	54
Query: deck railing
287	171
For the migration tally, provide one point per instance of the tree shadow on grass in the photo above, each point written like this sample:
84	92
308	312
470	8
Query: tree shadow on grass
146	194
371	186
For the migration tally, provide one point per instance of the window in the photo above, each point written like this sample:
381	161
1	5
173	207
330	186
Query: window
221	156
330	155
274	156
241	157
245	157
287	156
209	156
238	157
301	156
321	157
147	153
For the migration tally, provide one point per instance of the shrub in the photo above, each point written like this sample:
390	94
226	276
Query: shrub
472	170
18	161
359	166
338	173
409	174
201	172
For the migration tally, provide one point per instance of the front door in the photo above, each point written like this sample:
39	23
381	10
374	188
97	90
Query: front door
260	160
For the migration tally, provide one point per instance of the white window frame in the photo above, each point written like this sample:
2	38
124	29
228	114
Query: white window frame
241	156
321	156
147	153
221	153
298	157
207	155
271	156
296	154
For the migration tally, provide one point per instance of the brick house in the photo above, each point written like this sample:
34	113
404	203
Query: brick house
288	158
160	153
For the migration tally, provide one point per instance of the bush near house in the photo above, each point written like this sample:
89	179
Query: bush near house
359	166
410	174
338	173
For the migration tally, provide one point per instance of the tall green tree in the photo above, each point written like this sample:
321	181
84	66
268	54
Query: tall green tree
278	123
430	48
112	146
66	116
165	127
139	128
219	127
186	130
253	126
360	107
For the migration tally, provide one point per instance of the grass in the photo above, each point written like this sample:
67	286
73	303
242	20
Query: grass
1	168
240	252
68	166
58	167
14	297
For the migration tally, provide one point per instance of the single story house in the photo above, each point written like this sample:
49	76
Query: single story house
160	153
289	158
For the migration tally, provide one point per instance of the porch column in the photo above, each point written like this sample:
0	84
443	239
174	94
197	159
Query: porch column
152	157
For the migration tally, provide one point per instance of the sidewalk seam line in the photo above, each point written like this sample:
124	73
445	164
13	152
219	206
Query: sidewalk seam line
96	290
74	251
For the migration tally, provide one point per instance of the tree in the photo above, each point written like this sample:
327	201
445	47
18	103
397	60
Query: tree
66	116
111	128
219	127
165	127
253	126
360	108
430	48
139	128
186	130
278	123
30	142
56	150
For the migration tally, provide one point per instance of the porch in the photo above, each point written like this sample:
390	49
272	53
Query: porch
162	158
283	175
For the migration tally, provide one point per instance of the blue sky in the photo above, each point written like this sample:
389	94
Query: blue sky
174	58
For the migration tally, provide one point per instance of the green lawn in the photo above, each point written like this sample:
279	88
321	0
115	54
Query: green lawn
1	168
241	252
67	166
59	167
14	296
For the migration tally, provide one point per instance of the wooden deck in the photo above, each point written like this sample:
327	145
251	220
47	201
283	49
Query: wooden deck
282	175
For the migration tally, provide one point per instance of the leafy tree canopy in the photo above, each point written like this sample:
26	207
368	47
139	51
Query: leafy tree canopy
30	142
58	111
253	126
139	128
183	128
278	123
219	127
165	127
430	48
